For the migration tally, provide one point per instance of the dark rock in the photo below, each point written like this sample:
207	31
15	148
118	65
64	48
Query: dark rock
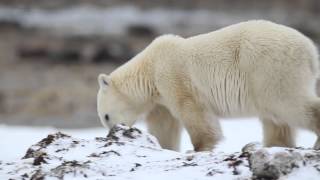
39	160
66	55
25	175
50	49
184	164
68	167
141	30
102	54
104	153
114	51
32	52
51	138
36	153
131	133
37	175
214	172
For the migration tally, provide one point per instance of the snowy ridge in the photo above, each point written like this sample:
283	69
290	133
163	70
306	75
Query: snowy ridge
129	153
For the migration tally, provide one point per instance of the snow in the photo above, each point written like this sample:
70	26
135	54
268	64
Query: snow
237	133
130	153
141	156
303	173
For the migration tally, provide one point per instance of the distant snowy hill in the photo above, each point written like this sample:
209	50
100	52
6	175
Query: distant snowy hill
129	153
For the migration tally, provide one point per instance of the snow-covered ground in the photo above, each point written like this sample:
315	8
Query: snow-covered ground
133	154
15	140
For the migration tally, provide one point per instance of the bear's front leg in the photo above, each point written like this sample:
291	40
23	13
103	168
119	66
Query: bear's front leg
164	127
204	131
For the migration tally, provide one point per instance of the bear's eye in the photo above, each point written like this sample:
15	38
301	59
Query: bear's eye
106	117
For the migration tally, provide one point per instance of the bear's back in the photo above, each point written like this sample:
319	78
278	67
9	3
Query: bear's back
229	68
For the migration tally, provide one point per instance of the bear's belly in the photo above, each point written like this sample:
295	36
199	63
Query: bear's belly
227	95
230	103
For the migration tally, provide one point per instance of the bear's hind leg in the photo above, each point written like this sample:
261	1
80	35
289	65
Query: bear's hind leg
314	114
164	127
277	135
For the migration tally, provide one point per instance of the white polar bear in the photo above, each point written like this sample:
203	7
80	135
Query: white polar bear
254	68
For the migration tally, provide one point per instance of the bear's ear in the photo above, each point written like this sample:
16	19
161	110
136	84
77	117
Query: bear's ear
104	81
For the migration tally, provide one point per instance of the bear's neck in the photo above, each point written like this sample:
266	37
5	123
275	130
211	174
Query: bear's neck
135	80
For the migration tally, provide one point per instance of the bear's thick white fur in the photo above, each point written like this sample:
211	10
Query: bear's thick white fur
254	68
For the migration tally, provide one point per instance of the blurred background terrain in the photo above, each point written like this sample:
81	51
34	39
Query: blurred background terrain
51	51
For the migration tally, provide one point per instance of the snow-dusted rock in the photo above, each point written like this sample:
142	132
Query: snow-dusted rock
275	163
129	153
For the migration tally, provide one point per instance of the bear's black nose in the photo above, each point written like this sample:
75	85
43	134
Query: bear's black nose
106	117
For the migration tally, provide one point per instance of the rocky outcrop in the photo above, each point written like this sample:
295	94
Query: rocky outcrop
129	153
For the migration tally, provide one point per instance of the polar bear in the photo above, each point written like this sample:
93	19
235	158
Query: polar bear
254	68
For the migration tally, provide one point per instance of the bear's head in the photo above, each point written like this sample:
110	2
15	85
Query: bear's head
114	107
